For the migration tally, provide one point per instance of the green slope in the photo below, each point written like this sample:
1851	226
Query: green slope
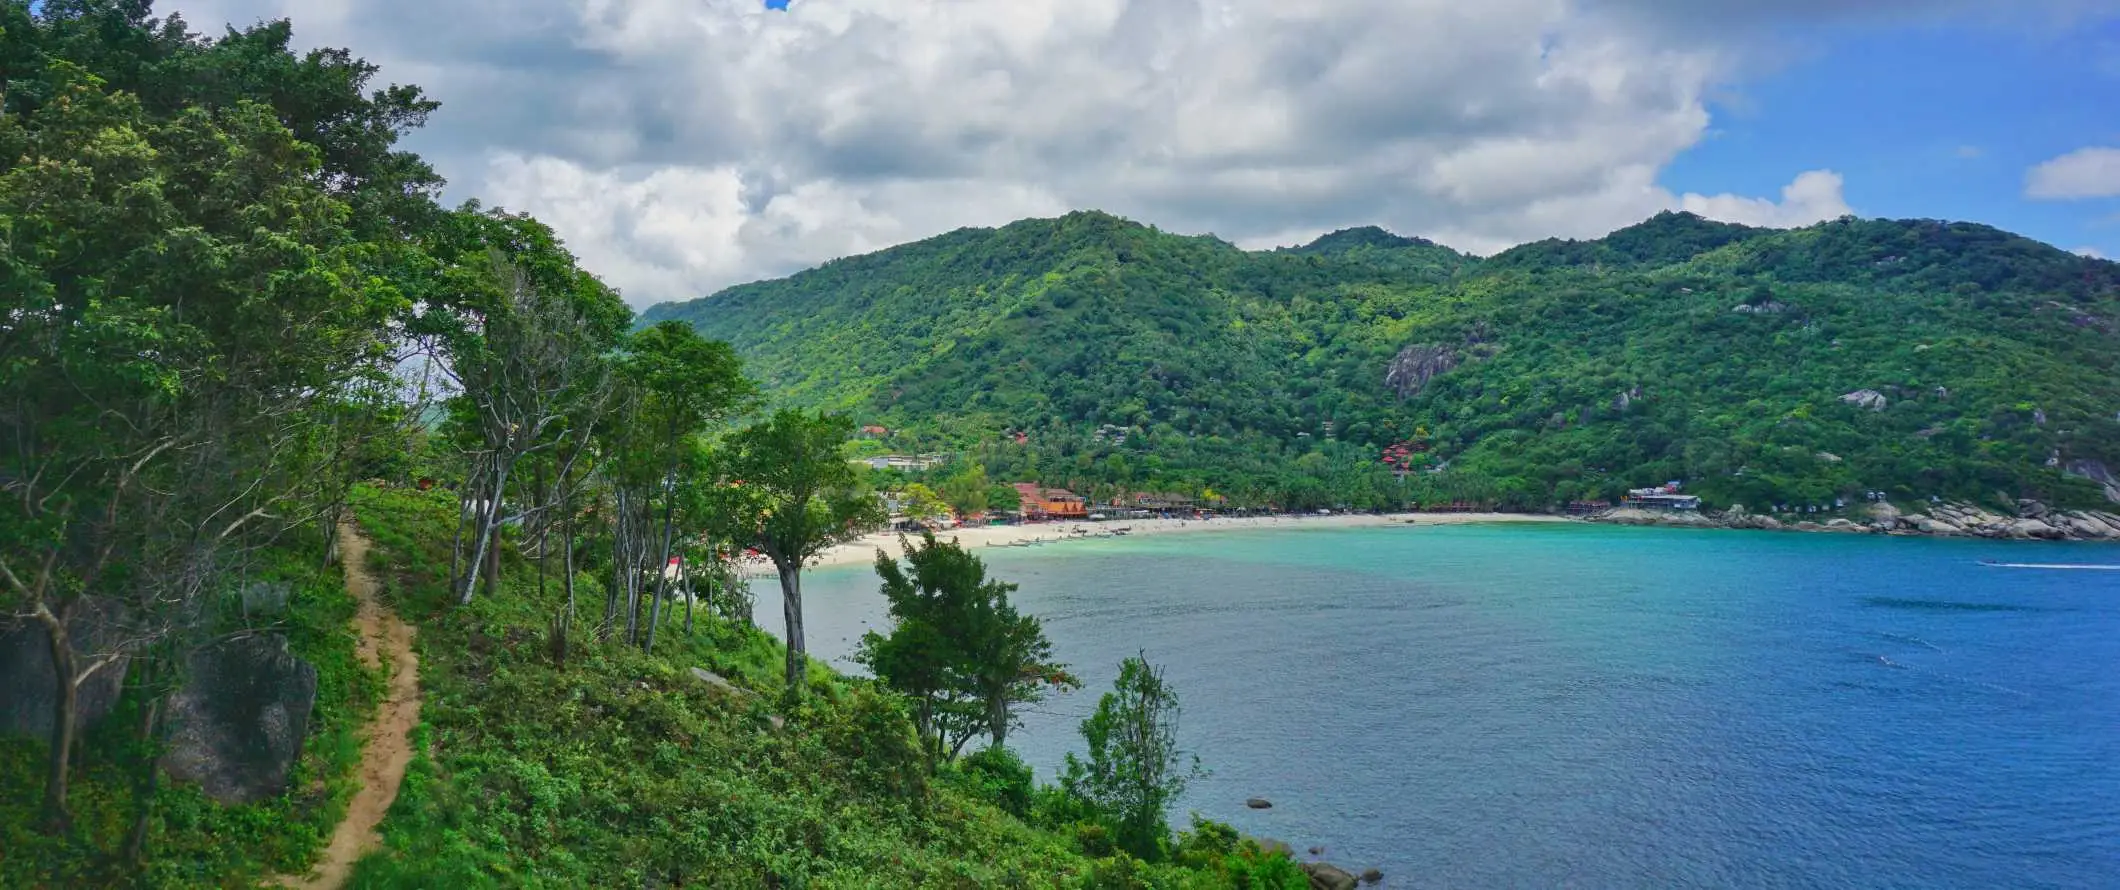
1268	374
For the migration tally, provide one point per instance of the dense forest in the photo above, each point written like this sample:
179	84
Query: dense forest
1759	366
245	350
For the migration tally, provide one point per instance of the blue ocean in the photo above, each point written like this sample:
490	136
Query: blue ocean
1586	706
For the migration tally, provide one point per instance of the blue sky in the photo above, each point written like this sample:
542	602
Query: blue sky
1928	121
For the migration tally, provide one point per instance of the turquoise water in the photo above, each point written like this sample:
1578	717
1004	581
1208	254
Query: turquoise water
1586	706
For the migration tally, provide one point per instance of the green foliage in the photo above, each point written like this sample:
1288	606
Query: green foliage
956	647
996	775
1134	768
1679	348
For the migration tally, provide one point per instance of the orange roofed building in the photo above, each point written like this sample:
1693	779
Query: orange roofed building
1050	503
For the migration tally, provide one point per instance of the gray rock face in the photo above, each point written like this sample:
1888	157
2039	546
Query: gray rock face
238	724
1866	398
2096	471
1415	365
28	688
1259	803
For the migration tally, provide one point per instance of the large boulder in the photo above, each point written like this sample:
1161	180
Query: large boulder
236	728
1866	398
30	687
2033	528
1328	877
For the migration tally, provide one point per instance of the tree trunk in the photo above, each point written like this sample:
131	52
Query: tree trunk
57	818
488	529
544	536
662	566
791	609
997	720
150	773
566	506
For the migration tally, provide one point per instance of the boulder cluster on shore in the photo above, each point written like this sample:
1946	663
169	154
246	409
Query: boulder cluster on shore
2033	521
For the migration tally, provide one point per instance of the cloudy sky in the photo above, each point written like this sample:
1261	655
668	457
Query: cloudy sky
684	145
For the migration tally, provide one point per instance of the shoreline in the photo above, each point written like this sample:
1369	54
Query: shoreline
862	551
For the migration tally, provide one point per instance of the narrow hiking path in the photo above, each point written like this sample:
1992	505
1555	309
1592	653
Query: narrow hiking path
389	737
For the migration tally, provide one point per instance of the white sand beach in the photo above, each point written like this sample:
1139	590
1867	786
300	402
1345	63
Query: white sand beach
863	550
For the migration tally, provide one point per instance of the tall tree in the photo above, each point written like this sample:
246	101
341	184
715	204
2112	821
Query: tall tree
803	497
686	382
181	300
1134	768
957	647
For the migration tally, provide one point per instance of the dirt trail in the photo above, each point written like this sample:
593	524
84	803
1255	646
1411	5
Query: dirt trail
389	746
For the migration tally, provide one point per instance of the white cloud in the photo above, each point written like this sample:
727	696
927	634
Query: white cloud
2092	252
683	145
1815	196
2092	172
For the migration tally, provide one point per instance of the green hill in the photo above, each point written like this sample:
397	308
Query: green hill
1677	348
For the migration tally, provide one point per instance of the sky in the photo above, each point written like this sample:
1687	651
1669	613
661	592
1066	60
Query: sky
681	146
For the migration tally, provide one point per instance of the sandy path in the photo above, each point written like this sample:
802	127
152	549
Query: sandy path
389	747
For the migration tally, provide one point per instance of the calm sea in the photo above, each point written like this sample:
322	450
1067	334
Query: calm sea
1586	706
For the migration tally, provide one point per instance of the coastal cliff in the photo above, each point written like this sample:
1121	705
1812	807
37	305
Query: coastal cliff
2032	521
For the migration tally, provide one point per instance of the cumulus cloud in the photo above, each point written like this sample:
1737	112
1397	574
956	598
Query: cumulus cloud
2084	173
683	145
1815	196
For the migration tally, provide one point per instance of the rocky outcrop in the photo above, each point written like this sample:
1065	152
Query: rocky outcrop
2096	471
2033	521
1415	365
1259	803
238	724
28	691
1866	398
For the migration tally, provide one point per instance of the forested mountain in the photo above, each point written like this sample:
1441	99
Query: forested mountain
1741	360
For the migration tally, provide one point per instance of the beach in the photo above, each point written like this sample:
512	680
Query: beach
862	551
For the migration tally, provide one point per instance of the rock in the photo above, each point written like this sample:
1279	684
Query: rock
776	722
1328	877
1372	876
238	724
2086	527
1415	365
28	693
718	684
2033	528
2096	471
1828	457
1808	526
1259	803
1317	851
1842	525
1866	398
2032	509
1937	527
1883	511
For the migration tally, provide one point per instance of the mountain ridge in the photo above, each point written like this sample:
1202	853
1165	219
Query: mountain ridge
1722	346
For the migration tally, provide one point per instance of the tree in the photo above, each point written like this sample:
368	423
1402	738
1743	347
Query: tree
525	338
957	647
921	502
685	382
182	305
803	496
1134	768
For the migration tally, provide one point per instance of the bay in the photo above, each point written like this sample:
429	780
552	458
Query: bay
1592	706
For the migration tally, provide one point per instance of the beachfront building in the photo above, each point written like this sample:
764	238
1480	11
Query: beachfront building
901	461
1050	503
1662	497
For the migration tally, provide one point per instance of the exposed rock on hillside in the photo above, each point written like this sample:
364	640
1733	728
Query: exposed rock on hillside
239	721
1416	365
1865	398
26	664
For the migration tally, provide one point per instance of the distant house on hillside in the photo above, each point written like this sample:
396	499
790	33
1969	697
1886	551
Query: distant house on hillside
1050	503
900	462
875	431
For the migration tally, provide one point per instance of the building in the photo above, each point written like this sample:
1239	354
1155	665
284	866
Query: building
1663	497
900	462
1050	503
